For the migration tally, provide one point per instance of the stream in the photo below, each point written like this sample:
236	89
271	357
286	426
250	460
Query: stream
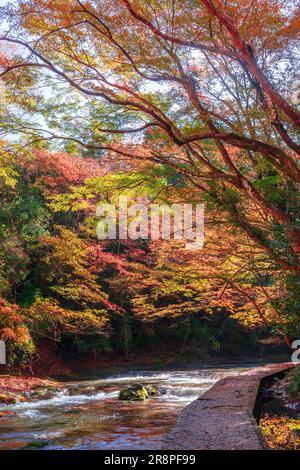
86	414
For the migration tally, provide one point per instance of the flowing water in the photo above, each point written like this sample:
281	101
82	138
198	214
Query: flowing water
86	414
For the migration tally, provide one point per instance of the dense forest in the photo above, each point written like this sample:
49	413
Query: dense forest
58	282
109	98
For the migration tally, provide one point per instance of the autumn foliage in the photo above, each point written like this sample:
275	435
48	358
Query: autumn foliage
171	101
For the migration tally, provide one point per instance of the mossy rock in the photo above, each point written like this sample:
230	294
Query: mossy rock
134	392
43	393
151	390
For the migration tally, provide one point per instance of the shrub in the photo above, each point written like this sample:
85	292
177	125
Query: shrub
15	333
281	433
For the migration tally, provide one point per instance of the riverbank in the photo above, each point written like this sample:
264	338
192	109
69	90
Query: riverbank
15	389
10	383
51	362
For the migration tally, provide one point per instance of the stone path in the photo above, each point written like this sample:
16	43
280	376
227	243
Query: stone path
222	418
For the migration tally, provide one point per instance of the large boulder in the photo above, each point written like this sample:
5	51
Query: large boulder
134	392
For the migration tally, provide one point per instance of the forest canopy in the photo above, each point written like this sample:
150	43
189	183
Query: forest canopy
176	101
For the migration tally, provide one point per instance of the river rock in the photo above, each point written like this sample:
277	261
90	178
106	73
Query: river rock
6	413
77	390
151	390
36	444
42	393
134	392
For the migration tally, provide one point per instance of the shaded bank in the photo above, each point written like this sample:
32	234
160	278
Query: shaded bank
52	360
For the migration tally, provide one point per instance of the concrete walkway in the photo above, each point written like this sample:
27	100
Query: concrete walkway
222	418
